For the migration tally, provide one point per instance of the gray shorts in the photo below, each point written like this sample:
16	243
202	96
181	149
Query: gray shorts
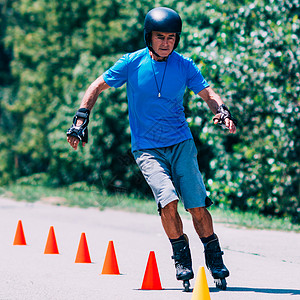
173	173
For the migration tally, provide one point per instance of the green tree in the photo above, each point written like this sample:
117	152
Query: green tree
7	121
249	52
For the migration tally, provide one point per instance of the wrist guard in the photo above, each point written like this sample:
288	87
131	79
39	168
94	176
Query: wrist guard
81	131
221	115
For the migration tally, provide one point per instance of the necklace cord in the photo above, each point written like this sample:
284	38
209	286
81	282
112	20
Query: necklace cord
162	81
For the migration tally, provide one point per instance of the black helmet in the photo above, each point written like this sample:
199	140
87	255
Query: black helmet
162	19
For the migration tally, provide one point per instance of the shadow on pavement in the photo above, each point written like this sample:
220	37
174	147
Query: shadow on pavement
258	290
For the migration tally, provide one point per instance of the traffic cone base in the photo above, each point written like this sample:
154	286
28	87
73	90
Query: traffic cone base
19	236
151	279
51	245
83	254
201	290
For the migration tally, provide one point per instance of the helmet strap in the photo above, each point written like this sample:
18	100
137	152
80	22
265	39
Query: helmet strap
152	50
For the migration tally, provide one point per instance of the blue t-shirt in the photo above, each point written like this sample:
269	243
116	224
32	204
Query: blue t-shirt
155	121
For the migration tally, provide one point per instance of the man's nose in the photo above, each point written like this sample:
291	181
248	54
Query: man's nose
165	41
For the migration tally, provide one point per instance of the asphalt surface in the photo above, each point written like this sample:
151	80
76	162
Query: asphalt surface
263	264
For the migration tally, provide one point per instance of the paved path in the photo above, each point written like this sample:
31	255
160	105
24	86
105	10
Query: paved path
263	264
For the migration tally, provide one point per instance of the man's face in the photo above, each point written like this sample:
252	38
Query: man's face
163	42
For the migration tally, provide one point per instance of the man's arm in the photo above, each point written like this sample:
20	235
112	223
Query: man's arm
88	101
213	101
90	97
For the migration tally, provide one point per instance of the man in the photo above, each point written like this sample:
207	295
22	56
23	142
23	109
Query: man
162	143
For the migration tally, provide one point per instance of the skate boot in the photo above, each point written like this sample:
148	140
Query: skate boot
183	262
214	263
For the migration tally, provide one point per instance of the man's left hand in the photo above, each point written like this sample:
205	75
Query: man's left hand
224	118
228	123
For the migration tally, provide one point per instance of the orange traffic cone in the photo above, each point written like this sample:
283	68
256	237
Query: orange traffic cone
83	254
151	279
110	265
19	236
51	245
201	290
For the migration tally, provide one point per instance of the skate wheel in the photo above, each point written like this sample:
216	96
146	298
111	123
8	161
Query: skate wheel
186	285
221	283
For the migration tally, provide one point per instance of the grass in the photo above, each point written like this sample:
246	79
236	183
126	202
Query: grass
94	198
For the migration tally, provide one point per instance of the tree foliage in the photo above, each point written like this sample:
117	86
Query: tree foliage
248	51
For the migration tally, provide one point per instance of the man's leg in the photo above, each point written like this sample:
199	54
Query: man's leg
171	221
213	254
173	227
202	221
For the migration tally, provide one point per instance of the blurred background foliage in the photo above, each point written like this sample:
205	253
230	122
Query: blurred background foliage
249	51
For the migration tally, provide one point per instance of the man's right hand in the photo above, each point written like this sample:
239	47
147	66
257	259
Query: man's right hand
74	142
79	131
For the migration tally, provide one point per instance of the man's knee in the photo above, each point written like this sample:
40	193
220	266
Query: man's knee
170	208
198	212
